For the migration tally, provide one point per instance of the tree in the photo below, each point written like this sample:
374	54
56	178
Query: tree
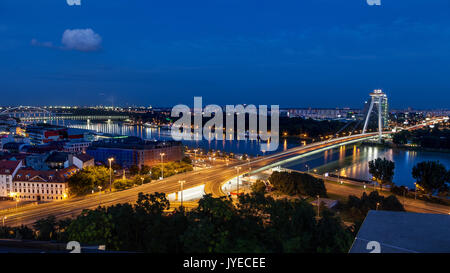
88	179
123	184
116	166
259	186
94	227
134	169
400	137
170	168
382	170
141	179
359	207
153	203
256	224
298	183
431	176
145	169
45	228
330	236
187	160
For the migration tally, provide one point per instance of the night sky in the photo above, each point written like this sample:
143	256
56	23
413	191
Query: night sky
301	53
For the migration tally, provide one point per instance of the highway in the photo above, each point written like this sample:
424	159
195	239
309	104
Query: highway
357	189
213	179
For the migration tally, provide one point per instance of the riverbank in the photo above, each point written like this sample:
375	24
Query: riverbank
405	147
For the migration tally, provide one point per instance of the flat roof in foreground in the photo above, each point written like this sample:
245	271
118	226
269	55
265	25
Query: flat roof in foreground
404	232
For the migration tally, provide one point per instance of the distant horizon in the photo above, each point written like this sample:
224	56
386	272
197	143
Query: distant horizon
169	107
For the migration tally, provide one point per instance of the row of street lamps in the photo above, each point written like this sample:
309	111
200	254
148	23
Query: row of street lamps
111	159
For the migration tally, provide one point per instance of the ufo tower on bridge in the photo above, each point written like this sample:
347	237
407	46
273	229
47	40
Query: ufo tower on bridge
379	100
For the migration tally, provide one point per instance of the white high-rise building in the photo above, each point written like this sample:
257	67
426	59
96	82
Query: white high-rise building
8	170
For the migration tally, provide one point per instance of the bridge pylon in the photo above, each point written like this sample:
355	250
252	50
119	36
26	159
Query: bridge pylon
377	98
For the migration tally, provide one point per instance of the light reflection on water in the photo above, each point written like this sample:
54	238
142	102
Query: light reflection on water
251	147
353	162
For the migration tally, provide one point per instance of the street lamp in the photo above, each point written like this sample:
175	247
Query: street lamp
111	159
195	157
339	176
181	185
162	164
415	191
378	204
318	205
237	172
99	195
307	166
404	195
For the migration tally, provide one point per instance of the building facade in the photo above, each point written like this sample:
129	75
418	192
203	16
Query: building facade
323	113
8	170
136	152
32	185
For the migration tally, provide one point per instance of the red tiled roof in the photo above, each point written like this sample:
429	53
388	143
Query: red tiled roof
24	175
8	166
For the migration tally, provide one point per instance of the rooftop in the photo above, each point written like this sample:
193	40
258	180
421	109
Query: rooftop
30	175
84	157
58	157
133	143
7	166
404	232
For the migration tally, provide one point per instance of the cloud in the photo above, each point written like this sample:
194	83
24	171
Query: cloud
85	40
35	42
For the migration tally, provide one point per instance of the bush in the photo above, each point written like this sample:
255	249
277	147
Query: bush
298	183
170	168
123	184
359	207
258	187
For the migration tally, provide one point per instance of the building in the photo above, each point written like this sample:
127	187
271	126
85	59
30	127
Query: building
76	146
135	151
33	185
13	147
37	161
43	133
81	161
323	113
58	160
403	232
8	170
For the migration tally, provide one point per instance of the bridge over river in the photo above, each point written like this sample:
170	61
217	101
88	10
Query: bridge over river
212	179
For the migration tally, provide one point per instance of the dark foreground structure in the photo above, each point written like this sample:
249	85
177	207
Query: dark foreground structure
403	232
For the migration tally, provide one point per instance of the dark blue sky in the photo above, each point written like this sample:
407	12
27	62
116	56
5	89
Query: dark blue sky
318	53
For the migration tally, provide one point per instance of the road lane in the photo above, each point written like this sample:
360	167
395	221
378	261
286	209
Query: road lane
213	178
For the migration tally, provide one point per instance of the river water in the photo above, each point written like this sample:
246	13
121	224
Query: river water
350	161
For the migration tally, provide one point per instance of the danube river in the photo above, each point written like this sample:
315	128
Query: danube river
349	161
